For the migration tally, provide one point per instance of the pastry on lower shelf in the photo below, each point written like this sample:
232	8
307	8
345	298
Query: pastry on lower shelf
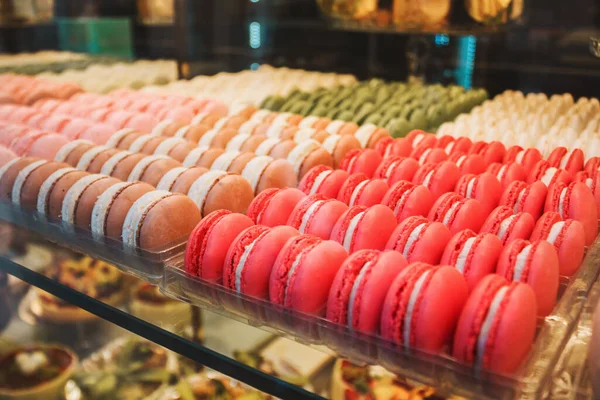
36	372
150	305
352	382
209	385
94	278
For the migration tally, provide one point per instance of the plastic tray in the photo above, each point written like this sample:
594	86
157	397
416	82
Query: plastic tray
145	264
439	370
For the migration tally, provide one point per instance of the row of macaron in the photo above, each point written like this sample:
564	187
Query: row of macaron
27	90
372	291
132	212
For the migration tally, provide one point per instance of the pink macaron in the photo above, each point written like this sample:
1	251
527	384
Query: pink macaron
542	171
508	226
424	154
359	190
460	145
591	180
534	263
360	286
407	199
468	163
395	168
273	207
417	137
522	197
526	157
316	215
364	161
438	178
419	239
507	173
571	161
493	152
354	229
423	305
324	180
458	213
483	187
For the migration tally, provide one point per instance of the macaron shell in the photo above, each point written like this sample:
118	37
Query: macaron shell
180	151
472	164
346	144
152	144
471	215
185	181
96	165
373	193
319	156
157	169
331	186
494	152
85	204
232	193
488	190
419	202
283	149
443	180
324	219
365	161
522	229
252	143
400	147
430	245
75	155
279	174
47	146
124	167
31	187
238	164
115	217
209	157
58	192
377	218
279	208
405	171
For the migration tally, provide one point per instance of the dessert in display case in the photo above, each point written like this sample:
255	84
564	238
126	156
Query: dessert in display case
339	199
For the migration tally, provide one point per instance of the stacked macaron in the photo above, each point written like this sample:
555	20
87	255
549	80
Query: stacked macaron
132	212
27	90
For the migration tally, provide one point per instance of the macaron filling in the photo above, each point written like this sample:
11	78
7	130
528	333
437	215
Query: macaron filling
102	207
357	192
237	142
308	122
555	231
364	134
427	179
168	180
352	226
463	255
47	186
239	268
412	301
248	126
139	143
423	157
402	201
358	282
561	203
203	185
549	175
182	132
165	147
141	167
505	226
461	161
7	166
265	147
303	134
501	172
412	239
310	212
319	181
331	143
89	156
194	156
301	152
471	188
159	129
390	170
224	161
68	148
260	115
73	195
207	138
518	207
282	118
109	166
22	177
275	130
521	263
254	170
488	322
137	213
334	127
451	213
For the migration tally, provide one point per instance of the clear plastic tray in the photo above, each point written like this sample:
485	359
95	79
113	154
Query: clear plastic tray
145	264
439	370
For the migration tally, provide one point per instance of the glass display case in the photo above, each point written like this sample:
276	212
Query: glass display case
259	198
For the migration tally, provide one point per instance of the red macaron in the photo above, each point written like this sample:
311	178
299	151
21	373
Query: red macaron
365	161
460	145
419	239
568	238
458	213
423	305
273	207
209	242
425	154
591	180
528	158
354	229
473	255
542	171
533	263
395	168
575	201
522	197
251	256
570	161
324	180
317	215
468	163
483	187
417	137
497	325
360	287
359	190
508	226
302	259
507	173
407	199
438	178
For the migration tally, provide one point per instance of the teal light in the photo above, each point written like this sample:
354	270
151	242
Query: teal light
254	34
254	66
467	46
441	40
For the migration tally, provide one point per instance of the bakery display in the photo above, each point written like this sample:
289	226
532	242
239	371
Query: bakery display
148	303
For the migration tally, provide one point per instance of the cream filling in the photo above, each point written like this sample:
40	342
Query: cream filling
168	180
314	207
461	260
22	177
357	191
449	147
308	122
275	130
561	203
282	118
519	157
247	127
460	161
199	118
450	212
64	151
159	129
504	226
142	165
303	134
501	172
470	188
401	201
520	262
265	147
109	166
412	238
89	156
414	295
291	273
207	138
487	325
427	179
260	115
555	231
239	268
194	156
224	161
319	181
355	286
424	156
165	147
116	138
565	159
181	132
390	170
220	123
300	152
364	134
202	186
47	187
139	143
134	217
74	194
334	127
589	182
6	166
237	142
103	205
548	175
253	171
519	198
347	242
237	108
331	143
418	140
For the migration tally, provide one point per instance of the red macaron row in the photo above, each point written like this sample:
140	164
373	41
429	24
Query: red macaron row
27	90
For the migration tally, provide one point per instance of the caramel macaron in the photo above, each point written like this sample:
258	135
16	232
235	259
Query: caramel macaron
29	181
151	169
264	172
202	156
9	173
216	190
307	155
339	145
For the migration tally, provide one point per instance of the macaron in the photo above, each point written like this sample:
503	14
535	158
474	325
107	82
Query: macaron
396	168
94	161
299	135
72	152
202	157
324	180
398	147
28	182
111	208
360	286
542	171
483	187
493	152
9	173
468	163
192	133
340	145
460	145
306	155
419	239
591	180
180	179
151	169
251	256
458	213
418	137
216	190
276	148
121	164
571	161
522	197
384	147
423	305
497	325
507	173
245	142
424	154
534	263
54	189
592	165
358	190
473	255
273	207
528	158
406	199
43	145
438	178
316	215
339	127
6	155
568	238
369	135
354	229
575	201
301	259
263	172
364	161
79	200
508	226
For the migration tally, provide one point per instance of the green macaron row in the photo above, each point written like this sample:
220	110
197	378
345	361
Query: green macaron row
400	107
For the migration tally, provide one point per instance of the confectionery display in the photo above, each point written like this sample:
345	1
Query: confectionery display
27	90
35	63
